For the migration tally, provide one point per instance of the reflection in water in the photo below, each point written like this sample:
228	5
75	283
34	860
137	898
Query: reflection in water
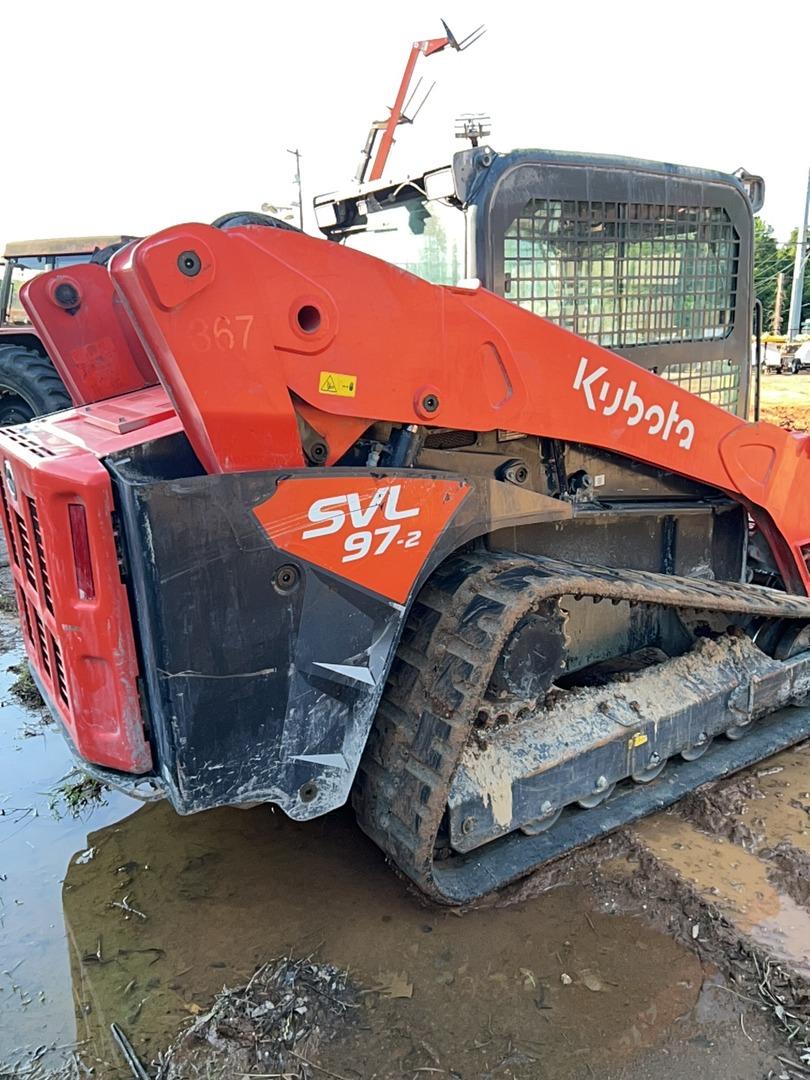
35	998
217	893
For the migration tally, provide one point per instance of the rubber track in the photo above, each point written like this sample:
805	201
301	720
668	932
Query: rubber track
455	632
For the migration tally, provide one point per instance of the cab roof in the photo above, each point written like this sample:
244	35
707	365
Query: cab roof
66	245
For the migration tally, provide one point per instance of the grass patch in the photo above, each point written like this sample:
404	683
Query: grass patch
73	795
24	689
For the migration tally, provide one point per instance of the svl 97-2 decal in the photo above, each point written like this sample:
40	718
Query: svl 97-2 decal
375	531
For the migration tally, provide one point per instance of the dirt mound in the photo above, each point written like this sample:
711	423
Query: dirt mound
793	417
785	401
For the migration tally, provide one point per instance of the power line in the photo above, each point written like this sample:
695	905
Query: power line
783	269
759	282
769	264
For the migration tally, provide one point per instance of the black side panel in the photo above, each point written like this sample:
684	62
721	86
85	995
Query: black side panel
260	687
241	710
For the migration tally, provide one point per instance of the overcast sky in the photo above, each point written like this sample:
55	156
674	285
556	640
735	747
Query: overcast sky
126	117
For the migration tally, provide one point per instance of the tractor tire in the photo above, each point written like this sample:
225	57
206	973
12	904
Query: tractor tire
29	386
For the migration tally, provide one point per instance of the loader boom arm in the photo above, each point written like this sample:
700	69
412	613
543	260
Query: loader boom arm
268	317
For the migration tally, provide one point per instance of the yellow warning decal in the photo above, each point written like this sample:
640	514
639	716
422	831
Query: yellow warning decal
332	382
637	740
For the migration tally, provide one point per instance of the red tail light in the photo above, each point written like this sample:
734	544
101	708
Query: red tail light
81	552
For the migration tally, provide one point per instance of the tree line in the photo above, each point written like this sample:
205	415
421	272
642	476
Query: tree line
771	257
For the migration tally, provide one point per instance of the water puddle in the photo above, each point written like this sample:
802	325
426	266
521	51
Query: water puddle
36	1001
217	893
138	916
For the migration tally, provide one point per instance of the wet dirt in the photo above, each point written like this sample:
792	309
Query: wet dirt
726	872
36	1002
738	884
222	891
745	846
137	916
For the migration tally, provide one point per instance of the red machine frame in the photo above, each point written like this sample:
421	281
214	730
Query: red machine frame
336	336
257	334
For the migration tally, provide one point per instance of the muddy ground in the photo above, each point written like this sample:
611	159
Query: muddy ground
678	948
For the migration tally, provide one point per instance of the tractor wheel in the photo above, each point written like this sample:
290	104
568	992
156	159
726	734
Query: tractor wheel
29	385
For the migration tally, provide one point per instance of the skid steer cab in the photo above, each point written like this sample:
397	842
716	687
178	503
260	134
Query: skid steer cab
505	565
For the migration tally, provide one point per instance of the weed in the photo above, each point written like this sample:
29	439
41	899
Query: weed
24	688
75	793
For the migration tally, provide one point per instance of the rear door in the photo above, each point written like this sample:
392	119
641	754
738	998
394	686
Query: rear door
650	261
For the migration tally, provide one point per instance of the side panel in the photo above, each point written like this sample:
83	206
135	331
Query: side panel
264	668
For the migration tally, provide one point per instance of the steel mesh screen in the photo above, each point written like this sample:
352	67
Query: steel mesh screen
625	274
717	381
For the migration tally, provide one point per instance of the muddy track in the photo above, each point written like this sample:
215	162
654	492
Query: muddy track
456	631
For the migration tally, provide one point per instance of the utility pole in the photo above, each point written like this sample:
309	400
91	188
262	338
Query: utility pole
795	316
777	307
297	181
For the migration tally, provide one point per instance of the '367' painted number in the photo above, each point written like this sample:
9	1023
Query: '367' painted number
224	333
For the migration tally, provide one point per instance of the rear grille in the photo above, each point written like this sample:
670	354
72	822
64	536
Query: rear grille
9	531
56	503
31	446
40	552
22	603
35	603
42	642
25	544
61	681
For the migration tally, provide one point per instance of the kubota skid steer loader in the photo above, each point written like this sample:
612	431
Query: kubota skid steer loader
368	536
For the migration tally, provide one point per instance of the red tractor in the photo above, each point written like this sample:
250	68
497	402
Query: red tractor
29	383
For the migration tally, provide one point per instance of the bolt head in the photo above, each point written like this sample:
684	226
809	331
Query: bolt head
189	263
601	783
66	295
546	808
286	578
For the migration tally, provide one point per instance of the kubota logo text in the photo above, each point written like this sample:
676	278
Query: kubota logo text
602	396
330	516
